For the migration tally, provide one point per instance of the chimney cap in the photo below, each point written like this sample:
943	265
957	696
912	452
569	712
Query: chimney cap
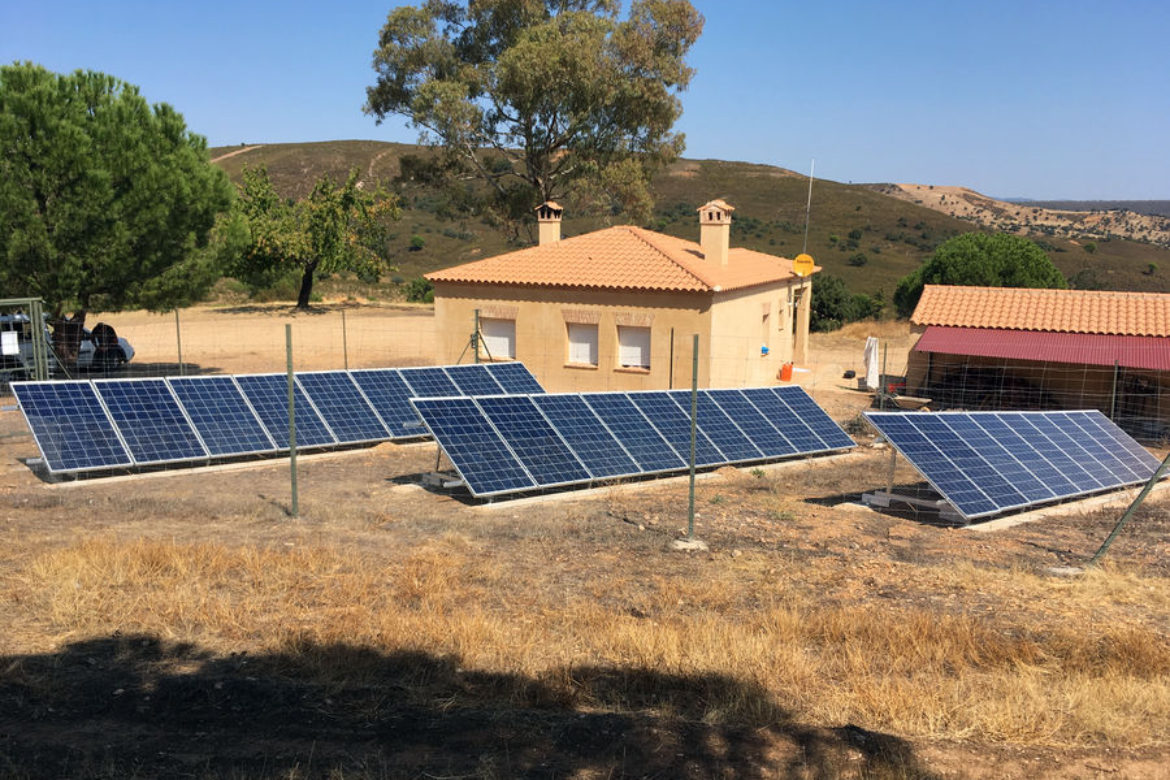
550	209
718	203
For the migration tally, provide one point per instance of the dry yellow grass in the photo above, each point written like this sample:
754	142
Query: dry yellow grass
910	670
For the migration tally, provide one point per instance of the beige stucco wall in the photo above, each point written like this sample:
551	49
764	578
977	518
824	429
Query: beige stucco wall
730	325
744	321
542	340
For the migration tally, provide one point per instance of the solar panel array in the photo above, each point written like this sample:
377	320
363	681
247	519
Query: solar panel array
502	445
985	463
118	423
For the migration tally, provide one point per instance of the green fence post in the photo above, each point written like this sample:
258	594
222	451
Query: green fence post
292	419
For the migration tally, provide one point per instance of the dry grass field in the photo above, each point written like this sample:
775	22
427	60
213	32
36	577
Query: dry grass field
184	625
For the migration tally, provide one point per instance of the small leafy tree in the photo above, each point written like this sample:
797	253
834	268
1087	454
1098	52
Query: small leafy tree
336	228
983	260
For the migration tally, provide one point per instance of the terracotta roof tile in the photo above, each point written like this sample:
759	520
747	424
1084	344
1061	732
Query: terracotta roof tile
1060	311
624	258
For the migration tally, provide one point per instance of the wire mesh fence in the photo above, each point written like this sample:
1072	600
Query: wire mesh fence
250	339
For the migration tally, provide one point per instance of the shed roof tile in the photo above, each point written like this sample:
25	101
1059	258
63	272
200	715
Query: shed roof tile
1060	311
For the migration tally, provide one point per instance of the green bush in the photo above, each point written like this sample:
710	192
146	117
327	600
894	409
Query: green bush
420	290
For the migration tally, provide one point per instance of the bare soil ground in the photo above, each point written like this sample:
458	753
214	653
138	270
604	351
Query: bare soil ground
184	625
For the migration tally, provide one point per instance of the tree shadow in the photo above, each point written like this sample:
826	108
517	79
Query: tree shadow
122	706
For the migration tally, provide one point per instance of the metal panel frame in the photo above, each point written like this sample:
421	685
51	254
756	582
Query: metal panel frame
369	407
489	493
272	448
284	447
100	383
129	459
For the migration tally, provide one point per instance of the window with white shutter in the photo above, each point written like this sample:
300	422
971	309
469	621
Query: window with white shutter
499	339
633	347
582	344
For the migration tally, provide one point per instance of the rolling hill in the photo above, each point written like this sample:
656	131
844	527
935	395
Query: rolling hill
861	233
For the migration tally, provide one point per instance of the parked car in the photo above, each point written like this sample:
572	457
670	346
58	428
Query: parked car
16	360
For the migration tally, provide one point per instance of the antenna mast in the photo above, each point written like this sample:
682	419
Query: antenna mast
808	206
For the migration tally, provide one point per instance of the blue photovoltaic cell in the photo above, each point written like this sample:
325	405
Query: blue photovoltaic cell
511	443
515	378
973	466
650	451
1015	459
150	420
478	453
938	469
717	426
790	426
1035	463
70	426
429	383
390	397
217	408
268	394
675	426
1116	469
1120	444
1000	458
1029	427
588	437
533	440
814	417
343	407
474	380
753	423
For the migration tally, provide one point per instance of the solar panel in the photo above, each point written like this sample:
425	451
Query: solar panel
718	427
70	426
386	391
268	395
150	421
224	419
473	446
565	439
675	426
515	378
752	422
814	417
985	463
429	382
784	420
534	442
629	426
474	380
343	407
587	436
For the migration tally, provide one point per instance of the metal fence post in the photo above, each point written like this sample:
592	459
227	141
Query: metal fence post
292	420
179	342
694	415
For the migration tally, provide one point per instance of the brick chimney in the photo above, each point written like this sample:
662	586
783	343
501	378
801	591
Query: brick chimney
715	230
548	215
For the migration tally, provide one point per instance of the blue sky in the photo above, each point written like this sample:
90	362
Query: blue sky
1033	99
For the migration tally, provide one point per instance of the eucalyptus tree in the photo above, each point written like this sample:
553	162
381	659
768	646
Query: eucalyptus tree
541	99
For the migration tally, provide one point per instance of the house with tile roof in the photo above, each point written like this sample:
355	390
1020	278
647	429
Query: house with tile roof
616	309
1000	347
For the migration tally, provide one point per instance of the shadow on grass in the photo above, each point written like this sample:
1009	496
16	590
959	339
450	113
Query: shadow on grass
123	706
